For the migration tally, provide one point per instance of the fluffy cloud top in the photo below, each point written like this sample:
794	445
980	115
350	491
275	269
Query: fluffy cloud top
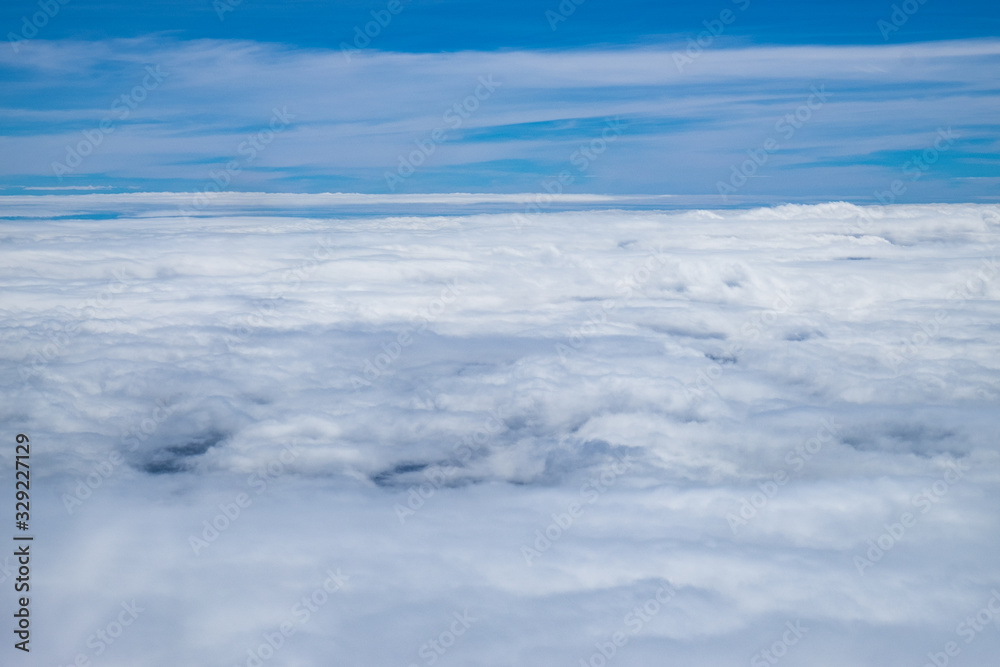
518	435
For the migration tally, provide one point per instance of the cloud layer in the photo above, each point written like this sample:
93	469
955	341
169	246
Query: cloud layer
692	428
153	113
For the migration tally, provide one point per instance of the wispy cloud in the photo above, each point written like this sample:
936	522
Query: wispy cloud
353	120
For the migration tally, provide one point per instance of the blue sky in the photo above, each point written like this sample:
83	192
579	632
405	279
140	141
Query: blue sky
733	102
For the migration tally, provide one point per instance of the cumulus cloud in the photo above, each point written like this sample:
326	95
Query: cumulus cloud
504	437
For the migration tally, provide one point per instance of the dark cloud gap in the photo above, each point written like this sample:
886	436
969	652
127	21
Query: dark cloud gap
178	458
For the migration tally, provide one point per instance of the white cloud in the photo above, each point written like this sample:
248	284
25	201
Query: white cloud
354	120
708	346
